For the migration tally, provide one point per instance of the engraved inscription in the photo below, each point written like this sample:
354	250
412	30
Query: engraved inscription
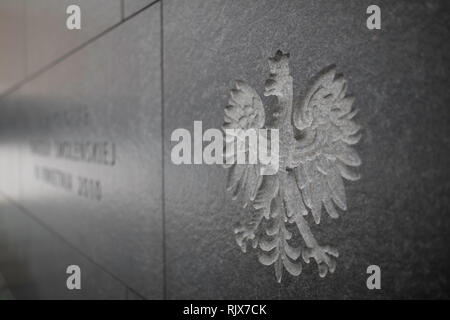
99	152
82	186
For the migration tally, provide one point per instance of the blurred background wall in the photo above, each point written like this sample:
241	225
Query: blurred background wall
56	83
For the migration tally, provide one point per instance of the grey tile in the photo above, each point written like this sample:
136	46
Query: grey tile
130	295
10	151
106	96
10	168
12	42
34	262
5	293
47	35
396	212
132	6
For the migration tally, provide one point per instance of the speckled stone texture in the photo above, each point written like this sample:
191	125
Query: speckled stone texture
166	231
397	214
132	6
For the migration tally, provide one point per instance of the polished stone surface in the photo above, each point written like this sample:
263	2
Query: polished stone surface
47	37
95	197
132	6
10	150
5	293
99	184
12	43
34	261
397	213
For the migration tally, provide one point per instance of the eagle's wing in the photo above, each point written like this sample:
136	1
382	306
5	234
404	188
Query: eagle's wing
323	154
244	111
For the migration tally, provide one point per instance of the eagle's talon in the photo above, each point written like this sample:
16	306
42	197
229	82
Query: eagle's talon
325	257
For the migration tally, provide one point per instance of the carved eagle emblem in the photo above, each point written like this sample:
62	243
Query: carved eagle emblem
316	154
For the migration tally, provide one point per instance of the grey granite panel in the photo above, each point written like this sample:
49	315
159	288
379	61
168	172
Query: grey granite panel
12	43
132	6
5	293
34	262
10	150
10	157
91	134
47	36
397	214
